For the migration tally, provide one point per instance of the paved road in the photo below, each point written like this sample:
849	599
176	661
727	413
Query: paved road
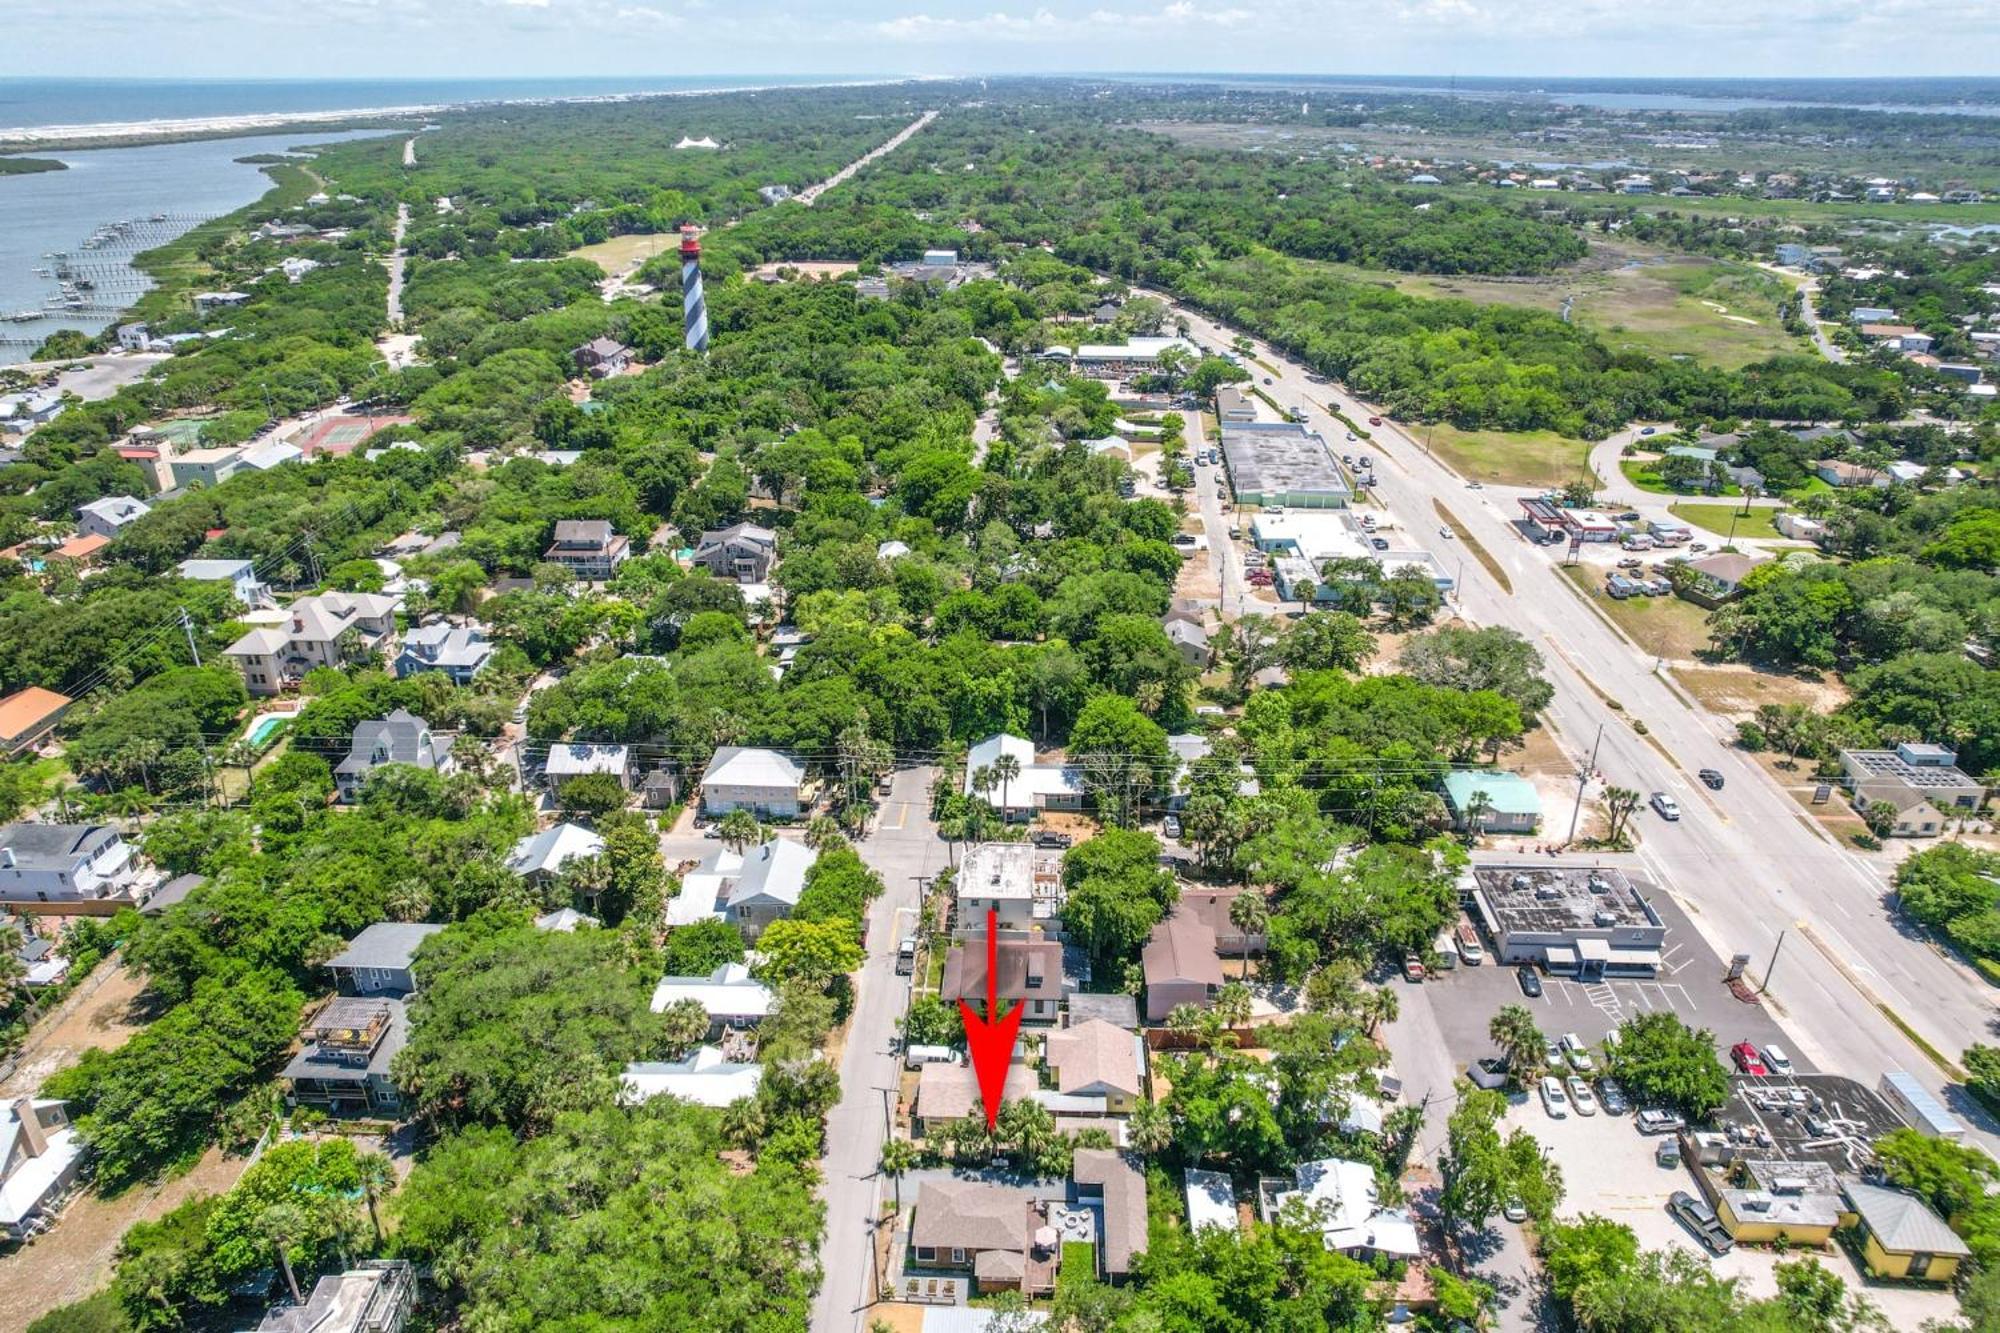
103	373
1225	557
1748	865
811	193
1808	289
396	262
904	845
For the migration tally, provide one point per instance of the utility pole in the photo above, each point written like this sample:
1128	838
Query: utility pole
1774	962
1583	780
187	627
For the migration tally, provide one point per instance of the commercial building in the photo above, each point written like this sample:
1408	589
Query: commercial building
1233	406
1797	1202
1920	782
1583	525
1902	1237
1020	883
1586	922
1136	356
1275	463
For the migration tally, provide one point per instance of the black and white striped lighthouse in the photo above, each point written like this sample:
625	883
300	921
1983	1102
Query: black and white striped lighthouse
693	308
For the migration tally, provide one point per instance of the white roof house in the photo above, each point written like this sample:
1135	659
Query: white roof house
579	759
565	920
547	852
704	1078
729	994
1038	786
773	875
702	888
1351	1218
39	1155
744	778
264	457
1211	1200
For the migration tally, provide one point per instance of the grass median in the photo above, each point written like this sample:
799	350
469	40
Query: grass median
1479	552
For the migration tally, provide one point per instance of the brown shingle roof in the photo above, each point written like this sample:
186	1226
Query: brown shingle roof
965	971
950	1092
1094	1054
1124	1190
1182	948
970	1215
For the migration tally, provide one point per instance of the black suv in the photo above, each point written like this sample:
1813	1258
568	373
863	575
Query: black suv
1050	838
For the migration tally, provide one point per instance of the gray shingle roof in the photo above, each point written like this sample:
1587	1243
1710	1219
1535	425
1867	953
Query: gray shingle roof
386	944
1903	1222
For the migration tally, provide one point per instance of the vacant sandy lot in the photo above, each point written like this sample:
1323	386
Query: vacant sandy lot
104	1012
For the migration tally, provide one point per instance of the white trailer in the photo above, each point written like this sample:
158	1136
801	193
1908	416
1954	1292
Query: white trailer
1919	1108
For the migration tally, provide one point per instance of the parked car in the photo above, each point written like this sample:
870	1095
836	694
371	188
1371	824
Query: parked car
1697	546
1049	838
906	956
1711	779
1629	516
1413	967
1554	1100
1612	1097
1446	533
1578	1054
1648	430
1378	543
1475	485
1775	1057
1352	437
1658	1122
1667	806
1630	562
1581	1097
1260	577
1552	1053
1531	985
1667	1153
1699	1218
1171	826
1746	1058
1267	379
1514	1210
1236	534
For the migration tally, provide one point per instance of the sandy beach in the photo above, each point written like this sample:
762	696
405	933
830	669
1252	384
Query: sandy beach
107	133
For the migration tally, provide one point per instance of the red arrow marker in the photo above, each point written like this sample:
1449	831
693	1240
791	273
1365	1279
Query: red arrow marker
991	1039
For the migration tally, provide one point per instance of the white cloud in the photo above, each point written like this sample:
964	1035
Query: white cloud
1047	24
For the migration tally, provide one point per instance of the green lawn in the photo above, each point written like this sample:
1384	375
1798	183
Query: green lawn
1079	1259
1511	458
1640	473
1719	518
1663	626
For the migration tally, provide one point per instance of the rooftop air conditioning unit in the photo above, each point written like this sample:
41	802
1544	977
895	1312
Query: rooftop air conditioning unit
1518	882
1599	884
1547	891
1604	920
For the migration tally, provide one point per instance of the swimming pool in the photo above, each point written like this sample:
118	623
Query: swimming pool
266	728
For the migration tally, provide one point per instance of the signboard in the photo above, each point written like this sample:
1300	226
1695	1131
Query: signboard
1822	793
1736	966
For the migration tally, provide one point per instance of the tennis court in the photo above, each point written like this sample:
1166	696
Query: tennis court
338	435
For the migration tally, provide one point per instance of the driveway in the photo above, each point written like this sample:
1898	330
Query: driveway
903	848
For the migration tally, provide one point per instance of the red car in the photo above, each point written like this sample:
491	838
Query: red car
1374	421
1748	1060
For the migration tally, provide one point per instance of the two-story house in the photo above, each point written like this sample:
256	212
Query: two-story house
39	1157
349	1043
742	551
377	961
240	575
68	863
329	630
768	885
400	738
1019	883
1030	972
461	652
109	516
588	548
768	784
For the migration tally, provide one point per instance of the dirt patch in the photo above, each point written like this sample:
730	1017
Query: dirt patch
1736	691
1798	782
75	1257
805	268
103	1012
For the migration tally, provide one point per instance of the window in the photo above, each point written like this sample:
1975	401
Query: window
1920	1264
958	1255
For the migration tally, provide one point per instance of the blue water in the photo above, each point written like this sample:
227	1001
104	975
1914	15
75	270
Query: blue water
264	730
53	211
30	103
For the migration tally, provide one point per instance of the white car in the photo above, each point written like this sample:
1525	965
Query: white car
1582	1097
1446	533
1668	807
1554	1100
1777	1061
1578	1054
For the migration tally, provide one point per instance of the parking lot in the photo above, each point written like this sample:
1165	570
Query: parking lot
1689	986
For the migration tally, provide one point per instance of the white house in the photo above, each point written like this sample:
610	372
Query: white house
546	853
705	1078
767	885
582	758
1036	787
240	575
1021	884
1351	1217
39	1157
731	997
764	782
109	516
329	630
67	863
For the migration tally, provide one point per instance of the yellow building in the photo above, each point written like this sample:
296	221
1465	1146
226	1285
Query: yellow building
1902	1237
1797	1202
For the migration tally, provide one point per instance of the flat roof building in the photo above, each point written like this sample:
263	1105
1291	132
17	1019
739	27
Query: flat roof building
1017	881
1282	463
1589	922
1911	775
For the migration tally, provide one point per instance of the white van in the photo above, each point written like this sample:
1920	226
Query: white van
1446	949
915	1057
1469	947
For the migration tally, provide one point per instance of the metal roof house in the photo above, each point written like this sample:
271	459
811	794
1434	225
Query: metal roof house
767	885
545	854
764	782
1510	802
706	1078
1903	1238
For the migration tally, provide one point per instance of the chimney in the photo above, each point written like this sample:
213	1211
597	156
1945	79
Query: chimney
31	1127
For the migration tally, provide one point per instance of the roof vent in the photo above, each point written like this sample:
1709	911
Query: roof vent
1604	920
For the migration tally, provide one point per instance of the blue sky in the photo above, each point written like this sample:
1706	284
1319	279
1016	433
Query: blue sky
430	38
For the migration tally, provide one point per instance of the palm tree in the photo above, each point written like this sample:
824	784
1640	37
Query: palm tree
1513	1030
1477	808
740	829
377	1179
1006	768
1619	804
898	1157
285	1224
743	1122
1150	1129
1184	1020
1377	1005
1251	914
821	832
1232	1004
